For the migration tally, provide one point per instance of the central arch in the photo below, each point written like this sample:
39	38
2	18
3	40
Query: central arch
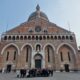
38	61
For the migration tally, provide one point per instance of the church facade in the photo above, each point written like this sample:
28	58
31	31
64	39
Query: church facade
38	43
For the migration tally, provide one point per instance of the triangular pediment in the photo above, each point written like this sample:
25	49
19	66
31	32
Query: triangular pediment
29	27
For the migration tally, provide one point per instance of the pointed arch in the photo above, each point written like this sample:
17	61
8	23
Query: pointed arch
25	45
49	51
26	50
50	45
10	44
67	45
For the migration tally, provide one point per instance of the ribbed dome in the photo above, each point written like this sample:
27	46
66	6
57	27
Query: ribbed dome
38	14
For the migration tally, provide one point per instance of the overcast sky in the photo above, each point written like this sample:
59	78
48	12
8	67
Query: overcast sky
64	13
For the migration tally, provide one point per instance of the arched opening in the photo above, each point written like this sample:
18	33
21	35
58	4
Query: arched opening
38	47
10	52
51	37
71	38
48	37
10	57
59	37
38	61
36	37
5	37
9	38
63	37
26	53
13	38
17	37
29	37
45	31
25	37
21	37
67	37
55	37
44	37
67	56
33	37
40	37
50	58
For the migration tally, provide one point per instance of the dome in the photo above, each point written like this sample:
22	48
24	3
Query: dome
38	14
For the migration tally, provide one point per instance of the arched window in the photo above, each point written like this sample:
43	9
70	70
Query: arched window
71	38
14	55
67	37
40	38
25	37
33	37
5	37
13	37
44	37
61	55
45	31
59	37
36	37
21	37
48	54
27	51
69	56
17	37
55	37
38	47
29	37
51	37
7	57
48	37
9	38
63	37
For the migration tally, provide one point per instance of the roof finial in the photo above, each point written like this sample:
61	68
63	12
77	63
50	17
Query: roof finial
38	7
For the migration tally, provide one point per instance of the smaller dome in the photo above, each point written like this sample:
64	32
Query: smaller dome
37	13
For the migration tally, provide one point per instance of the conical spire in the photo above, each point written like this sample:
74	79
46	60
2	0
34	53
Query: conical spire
38	8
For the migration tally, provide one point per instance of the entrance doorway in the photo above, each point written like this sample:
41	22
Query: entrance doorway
66	66
8	68
38	60
38	63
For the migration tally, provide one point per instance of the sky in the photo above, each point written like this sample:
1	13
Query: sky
65	13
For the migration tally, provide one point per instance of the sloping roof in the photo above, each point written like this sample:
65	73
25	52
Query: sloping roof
26	26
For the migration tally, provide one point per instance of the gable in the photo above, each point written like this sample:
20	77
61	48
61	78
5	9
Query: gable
27	26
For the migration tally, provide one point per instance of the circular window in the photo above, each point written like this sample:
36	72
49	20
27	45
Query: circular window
37	28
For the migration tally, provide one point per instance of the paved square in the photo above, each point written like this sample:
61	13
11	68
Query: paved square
56	76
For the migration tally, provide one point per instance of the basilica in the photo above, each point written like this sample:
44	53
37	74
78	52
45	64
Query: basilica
39	43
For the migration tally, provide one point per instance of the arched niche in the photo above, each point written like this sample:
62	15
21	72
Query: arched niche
49	56
26	53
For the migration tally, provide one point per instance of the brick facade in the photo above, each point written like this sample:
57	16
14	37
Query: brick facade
53	43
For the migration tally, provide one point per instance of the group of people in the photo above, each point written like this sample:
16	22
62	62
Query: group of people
34	73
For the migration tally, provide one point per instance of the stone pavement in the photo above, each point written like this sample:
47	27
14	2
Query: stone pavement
56	76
